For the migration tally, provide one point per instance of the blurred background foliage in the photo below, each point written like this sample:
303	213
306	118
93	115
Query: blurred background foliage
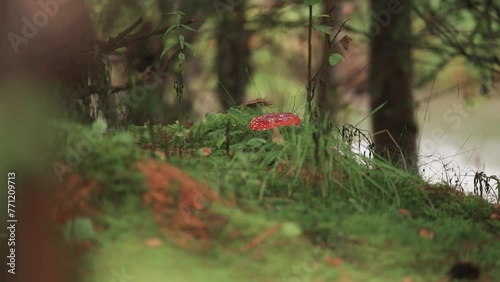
252	48
245	49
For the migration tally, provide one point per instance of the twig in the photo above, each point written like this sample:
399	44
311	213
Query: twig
395	143
338	31
427	109
310	89
141	79
331	45
123	38
129	29
260	238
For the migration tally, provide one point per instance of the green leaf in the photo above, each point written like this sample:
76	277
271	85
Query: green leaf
273	154
178	20
168	30
188	27
179	134
175	13
256	142
235	112
182	57
167	47
371	113
123	138
335	59
133	81
181	41
220	141
80	228
99	126
316	18
312	2
477	38
323	28
189	45
291	229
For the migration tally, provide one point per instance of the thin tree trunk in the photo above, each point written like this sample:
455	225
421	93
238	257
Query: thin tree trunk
333	77
323	97
390	81
233	56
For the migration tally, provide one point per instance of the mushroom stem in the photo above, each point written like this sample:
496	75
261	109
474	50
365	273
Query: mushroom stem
276	135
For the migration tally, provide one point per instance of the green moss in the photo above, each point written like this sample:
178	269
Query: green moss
342	208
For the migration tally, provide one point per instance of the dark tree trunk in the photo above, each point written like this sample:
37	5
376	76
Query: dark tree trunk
233	56
390	80
323	101
46	47
333	77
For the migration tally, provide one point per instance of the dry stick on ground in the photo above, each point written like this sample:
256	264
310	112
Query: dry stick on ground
260	239
395	143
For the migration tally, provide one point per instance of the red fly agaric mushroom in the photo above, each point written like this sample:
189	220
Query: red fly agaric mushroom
273	122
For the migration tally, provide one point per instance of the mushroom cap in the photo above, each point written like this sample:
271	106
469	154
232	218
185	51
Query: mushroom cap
270	121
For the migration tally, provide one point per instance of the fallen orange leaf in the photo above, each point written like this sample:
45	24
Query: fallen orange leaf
426	233
205	151
404	212
407	279
345	42
334	261
153	242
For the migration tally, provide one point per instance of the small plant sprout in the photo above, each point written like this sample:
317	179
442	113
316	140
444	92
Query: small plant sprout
274	122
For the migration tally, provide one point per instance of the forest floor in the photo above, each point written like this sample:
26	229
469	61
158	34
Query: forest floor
215	201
